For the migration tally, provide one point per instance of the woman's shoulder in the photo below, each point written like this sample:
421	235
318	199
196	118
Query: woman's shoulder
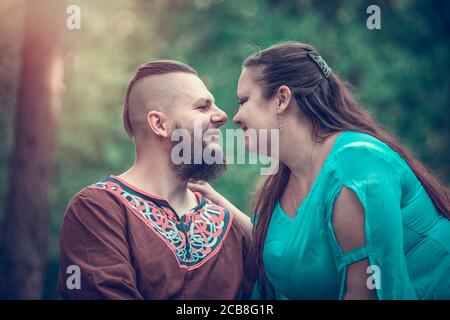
363	144
364	153
357	141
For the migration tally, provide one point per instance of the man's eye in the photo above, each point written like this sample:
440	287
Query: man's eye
203	107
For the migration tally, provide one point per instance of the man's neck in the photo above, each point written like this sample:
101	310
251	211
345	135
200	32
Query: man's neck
157	178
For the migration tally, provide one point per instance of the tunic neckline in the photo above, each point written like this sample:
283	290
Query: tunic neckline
201	200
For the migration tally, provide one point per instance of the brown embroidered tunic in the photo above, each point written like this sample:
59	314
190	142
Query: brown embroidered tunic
129	244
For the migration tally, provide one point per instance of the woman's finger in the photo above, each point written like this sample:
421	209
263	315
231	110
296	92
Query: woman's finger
199	182
196	186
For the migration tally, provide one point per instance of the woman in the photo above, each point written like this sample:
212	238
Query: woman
349	214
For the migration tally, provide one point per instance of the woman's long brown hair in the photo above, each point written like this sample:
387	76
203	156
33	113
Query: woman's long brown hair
330	107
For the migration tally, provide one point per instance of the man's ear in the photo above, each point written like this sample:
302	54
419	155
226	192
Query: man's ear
157	122
283	98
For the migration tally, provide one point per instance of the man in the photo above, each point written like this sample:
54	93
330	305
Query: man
144	234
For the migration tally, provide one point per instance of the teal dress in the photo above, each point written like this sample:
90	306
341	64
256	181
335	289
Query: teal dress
407	239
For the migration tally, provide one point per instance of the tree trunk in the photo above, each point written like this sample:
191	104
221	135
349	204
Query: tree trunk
23	249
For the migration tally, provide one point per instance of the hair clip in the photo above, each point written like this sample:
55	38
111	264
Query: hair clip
326	70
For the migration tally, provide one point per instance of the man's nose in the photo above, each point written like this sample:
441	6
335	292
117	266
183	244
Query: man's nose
219	118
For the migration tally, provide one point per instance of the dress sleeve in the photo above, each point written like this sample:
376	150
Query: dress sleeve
93	238
375	177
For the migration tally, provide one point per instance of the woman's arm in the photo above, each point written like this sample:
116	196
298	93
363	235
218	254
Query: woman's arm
208	191
365	225
349	226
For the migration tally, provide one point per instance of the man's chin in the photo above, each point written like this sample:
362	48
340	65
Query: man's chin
203	171
213	165
207	172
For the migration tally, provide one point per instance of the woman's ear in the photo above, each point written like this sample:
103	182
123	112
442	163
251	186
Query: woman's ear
157	122
283	98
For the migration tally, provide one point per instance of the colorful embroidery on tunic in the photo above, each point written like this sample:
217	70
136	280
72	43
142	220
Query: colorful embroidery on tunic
194	239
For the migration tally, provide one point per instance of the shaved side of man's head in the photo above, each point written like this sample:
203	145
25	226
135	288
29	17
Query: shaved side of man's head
151	89
152	93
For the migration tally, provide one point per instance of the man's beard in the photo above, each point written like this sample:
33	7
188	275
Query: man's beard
200	171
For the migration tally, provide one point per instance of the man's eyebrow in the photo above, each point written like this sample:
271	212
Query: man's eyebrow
205	100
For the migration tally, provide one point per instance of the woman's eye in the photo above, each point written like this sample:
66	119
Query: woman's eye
241	102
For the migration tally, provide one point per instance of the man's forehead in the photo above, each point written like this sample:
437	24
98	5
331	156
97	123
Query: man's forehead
185	88
195	96
173	80
191	88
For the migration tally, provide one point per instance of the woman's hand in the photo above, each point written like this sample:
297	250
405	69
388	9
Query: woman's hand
209	192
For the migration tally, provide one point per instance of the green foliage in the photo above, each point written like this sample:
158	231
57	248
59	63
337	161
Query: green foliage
400	73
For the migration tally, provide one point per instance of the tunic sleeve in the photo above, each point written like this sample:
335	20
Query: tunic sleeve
93	238
374	175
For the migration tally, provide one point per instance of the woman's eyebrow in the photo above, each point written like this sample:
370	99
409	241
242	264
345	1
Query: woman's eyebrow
241	95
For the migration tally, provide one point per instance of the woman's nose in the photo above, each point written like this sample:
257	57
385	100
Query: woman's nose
236	119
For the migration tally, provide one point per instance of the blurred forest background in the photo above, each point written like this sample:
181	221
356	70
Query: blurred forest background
66	88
